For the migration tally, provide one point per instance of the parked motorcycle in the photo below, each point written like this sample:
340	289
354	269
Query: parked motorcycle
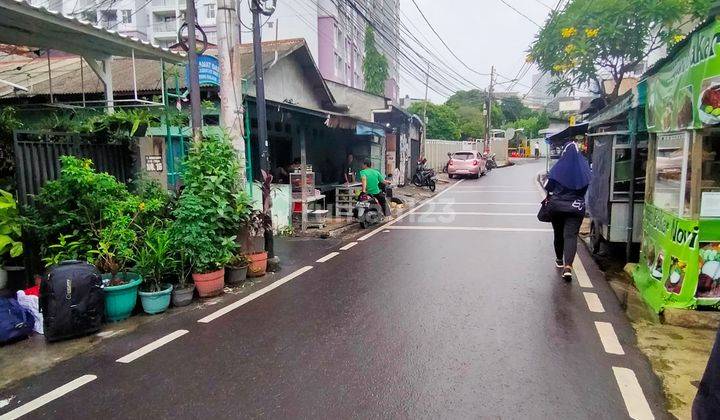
367	211
491	163
424	177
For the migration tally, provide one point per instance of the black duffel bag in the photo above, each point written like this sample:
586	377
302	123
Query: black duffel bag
71	300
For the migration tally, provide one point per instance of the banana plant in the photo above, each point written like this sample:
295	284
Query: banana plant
10	226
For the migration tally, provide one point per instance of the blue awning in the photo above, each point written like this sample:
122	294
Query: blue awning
364	129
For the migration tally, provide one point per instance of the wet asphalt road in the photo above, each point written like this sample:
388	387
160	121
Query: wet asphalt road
456	311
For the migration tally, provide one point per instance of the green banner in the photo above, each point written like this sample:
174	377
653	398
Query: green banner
679	267
685	92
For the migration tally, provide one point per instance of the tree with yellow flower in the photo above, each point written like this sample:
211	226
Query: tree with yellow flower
590	41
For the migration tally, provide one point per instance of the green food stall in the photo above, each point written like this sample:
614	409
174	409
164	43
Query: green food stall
680	256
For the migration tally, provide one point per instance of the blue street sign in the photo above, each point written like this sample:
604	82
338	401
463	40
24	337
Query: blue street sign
208	71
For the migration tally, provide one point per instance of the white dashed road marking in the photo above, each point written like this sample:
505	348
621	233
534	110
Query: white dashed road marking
463	191
469	228
477	203
49	397
581	274
142	351
328	257
348	246
635	401
593	302
609	339
249	298
472	213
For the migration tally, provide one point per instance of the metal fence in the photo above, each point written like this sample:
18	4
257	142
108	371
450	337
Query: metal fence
436	151
37	158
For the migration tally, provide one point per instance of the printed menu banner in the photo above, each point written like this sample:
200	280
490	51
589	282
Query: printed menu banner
685	92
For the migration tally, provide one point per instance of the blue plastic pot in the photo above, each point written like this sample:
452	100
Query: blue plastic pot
156	302
120	300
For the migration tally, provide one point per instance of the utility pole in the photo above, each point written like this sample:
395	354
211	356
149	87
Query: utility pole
231	110
196	115
488	110
259	7
425	104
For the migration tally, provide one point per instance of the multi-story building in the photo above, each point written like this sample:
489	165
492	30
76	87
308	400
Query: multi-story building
155	20
335	33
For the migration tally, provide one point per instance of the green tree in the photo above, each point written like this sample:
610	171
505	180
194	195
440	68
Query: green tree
589	38
443	121
513	109
531	125
375	65
474	98
470	105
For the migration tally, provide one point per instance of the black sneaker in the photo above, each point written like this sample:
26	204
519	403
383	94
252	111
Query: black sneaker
559	263
567	274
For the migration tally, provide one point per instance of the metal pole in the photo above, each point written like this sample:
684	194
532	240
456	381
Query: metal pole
488	120
303	182
425	104
261	111
194	80
631	199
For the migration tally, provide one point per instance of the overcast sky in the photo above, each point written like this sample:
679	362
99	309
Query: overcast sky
481	32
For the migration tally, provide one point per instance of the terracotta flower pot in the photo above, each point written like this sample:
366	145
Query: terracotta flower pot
258	264
209	284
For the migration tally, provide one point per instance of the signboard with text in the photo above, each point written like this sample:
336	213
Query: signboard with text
685	92
208	71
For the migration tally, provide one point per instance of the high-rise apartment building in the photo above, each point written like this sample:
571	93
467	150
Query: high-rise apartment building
157	21
335	34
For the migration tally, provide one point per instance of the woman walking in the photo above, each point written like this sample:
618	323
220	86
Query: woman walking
566	187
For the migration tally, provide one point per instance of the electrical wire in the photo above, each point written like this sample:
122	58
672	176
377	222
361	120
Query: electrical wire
519	13
445	43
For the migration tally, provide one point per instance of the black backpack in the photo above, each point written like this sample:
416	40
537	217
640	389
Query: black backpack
71	300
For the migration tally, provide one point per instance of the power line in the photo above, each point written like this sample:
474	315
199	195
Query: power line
519	12
445	43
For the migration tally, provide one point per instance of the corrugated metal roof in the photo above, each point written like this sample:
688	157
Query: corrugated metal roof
66	73
24	24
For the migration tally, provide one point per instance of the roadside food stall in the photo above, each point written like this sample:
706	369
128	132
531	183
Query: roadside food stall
617	141
680	256
557	141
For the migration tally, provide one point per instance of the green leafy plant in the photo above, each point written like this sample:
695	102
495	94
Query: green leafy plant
68	247
443	121
155	257
239	260
80	200
211	206
375	65
591	38
10	227
128	121
8	123
286	231
178	119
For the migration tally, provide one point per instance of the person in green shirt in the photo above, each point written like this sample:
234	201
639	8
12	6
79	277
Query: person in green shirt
371	179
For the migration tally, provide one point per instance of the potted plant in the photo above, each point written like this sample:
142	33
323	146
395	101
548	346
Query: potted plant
206	214
112	257
10	233
154	260
237	268
259	222
182	294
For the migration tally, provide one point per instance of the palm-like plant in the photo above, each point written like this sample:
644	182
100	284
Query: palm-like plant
155	258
